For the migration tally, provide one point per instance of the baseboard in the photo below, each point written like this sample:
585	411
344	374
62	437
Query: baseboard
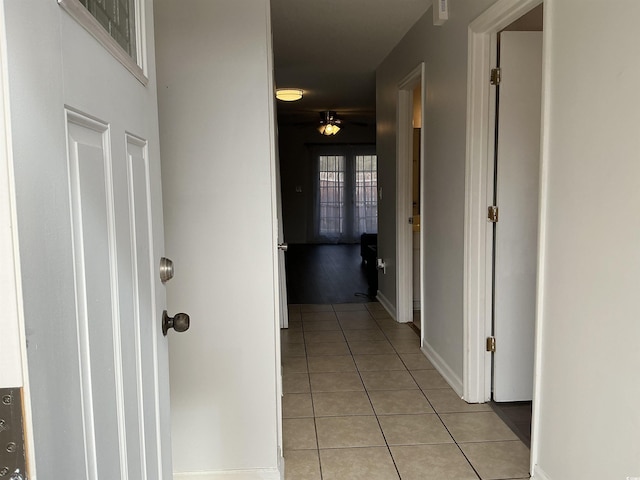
441	366
258	474
539	474
388	306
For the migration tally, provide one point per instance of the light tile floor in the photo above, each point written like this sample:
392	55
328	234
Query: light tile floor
361	401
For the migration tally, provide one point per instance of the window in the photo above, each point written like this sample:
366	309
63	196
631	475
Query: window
346	194
331	183
366	193
117	18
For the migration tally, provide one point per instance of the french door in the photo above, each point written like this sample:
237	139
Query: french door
346	193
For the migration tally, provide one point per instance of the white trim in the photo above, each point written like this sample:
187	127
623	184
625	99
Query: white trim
14	364
539	474
80	14
258	474
542	251
404	232
443	368
477	324
11	352
388	306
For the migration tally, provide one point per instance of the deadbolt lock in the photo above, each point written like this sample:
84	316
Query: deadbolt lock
166	269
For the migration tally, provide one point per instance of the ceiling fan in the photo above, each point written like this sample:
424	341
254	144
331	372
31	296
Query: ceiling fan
329	123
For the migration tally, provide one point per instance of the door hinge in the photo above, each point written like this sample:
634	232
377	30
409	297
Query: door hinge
410	220
492	213
13	463
496	76
491	344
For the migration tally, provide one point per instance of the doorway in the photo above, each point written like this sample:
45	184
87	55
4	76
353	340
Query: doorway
416	154
515	195
495	294
409	200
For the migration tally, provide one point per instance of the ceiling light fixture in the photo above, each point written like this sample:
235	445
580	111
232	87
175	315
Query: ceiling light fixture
288	94
329	123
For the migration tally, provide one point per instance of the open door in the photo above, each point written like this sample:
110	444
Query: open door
84	144
516	231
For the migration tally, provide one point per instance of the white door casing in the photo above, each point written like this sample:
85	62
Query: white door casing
404	197
517	184
84	138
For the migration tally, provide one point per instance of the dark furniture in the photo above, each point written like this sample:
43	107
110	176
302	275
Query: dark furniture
369	254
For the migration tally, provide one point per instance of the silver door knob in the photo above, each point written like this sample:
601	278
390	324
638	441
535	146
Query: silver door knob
283	246
180	323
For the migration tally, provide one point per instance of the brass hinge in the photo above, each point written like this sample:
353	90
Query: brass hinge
491	344
496	76
492	213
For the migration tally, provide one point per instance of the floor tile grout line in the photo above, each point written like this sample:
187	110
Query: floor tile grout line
384	437
313	407
437	413
421	389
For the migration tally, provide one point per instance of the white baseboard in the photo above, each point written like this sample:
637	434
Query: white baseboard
539	474
258	474
441	366
388	306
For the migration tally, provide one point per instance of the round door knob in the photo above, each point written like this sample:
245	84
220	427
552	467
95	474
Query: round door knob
180	323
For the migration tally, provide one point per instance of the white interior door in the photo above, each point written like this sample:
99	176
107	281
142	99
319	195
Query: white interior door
282	247
89	213
517	181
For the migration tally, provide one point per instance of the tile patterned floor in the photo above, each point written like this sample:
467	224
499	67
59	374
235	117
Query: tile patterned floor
361	401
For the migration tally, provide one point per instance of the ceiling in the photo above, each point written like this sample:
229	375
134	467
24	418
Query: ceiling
331	49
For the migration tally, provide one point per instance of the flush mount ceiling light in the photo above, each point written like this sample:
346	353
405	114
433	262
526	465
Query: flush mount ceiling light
329	123
288	94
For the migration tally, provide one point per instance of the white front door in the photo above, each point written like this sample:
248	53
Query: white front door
84	142
518	164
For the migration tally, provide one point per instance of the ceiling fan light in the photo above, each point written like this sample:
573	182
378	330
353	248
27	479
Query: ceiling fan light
288	94
328	129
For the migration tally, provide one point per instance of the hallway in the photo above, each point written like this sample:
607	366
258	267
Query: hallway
362	402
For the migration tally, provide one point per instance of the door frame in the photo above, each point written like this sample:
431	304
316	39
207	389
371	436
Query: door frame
281	311
404	197
478	192
15	373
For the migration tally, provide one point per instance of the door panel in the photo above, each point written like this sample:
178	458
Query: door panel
517	229
143	272
97	322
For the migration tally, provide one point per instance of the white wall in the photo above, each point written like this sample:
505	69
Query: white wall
444	50
216	130
588	422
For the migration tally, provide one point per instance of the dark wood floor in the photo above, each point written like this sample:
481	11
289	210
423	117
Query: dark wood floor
325	274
